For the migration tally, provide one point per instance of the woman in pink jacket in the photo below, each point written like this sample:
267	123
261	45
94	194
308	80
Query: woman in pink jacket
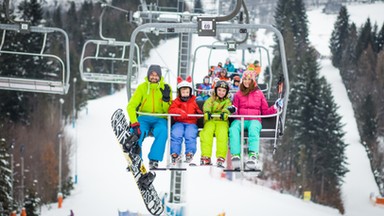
249	100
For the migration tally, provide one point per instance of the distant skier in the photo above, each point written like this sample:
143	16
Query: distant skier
203	90
255	66
216	104
234	87
184	127
249	100
151	96
229	66
71	213
235	83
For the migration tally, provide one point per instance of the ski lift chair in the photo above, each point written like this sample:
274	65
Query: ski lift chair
101	58
55	79
273	127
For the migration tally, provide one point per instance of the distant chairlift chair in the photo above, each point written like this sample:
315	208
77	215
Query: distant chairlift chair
265	87
56	80
101	58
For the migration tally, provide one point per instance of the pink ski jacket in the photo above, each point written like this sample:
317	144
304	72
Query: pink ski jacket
252	104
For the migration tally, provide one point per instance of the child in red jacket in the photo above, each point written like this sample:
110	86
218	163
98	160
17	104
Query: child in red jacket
184	126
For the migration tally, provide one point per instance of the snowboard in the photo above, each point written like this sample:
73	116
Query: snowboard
131	149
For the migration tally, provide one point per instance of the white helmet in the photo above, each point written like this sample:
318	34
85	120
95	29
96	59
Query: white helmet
184	83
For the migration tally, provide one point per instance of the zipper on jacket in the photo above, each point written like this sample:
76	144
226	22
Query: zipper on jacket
153	99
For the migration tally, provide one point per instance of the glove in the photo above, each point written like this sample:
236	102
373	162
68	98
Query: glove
207	116
279	103
135	128
232	109
166	93
224	116
183	115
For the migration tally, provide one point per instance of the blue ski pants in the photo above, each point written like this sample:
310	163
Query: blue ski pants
159	129
253	127
188	132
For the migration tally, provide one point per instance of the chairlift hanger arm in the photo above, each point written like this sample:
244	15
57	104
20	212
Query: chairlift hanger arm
232	14
104	6
246	21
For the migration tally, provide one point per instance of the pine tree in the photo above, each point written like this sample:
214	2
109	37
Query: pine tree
369	123
380	39
380	99
365	38
330	156
15	105
309	105
291	20
32	203
349	59
5	177
339	37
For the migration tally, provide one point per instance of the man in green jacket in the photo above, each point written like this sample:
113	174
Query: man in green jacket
151	96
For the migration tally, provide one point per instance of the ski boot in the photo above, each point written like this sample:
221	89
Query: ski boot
253	161
175	158
146	179
188	157
236	162
153	164
205	161
220	162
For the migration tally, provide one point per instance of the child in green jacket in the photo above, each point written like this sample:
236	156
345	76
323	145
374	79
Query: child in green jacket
218	126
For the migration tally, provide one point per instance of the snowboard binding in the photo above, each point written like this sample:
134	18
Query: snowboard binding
131	144
146	180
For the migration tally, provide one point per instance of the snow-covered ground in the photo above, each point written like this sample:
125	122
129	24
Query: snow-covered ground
104	186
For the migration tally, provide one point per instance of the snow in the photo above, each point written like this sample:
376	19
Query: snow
104	187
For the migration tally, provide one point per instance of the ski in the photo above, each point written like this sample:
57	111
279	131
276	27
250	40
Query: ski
169	168
239	170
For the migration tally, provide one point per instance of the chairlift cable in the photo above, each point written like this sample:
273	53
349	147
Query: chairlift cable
154	48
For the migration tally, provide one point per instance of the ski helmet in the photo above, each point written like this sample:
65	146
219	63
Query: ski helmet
222	84
184	83
206	80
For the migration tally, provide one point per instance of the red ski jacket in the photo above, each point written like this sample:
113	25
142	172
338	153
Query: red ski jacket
188	107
